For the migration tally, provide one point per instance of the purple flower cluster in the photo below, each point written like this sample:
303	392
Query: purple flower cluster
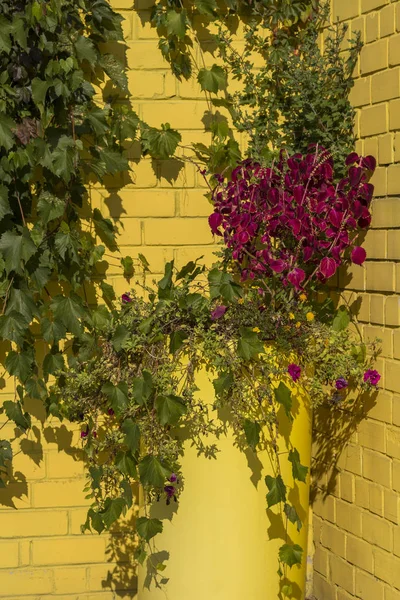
291	220
372	377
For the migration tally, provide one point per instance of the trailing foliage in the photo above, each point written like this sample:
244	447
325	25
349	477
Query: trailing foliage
57	136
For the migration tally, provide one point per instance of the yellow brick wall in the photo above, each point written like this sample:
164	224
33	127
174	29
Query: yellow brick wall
161	214
356	512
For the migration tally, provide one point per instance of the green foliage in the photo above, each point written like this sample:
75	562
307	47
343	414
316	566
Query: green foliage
299	471
148	528
277	490
290	554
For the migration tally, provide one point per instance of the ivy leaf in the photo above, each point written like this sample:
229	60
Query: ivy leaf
284	396
115	71
5	208
50	207
85	50
6	135
125	464
292	515
223	383
176	23
112	510
299	471
39	91
170	409
277	490
153	472
177	340
13	327
290	554
249	344
69	311
52	331
97	118
213	79
341	319
117	395
22	301
53	363
142	388
63	158
252	432
148	528
206	7
113	161
16	249
19	364
66	243
222	284
14	412
132	434
161	144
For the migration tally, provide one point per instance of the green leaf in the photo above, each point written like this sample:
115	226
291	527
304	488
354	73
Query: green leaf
290	554
70	312
223	383
22	301
113	509
6	135
5	208
53	363
108	291
5	40
39	91
100	317
212	80
115	71
277	490
161	144
249	344
142	388
153	472
97	118
252	431
117	395
104	228
284	396
19	364
222	284
63	158
120	336
125	464
14	412
299	471
176	23
148	528
341	319
127	265
177	340
85	50
13	327
132	434
95	520
52	331
16	250
6	453
206	7
145	263
170	409
50	207
165	284
292	515
127	493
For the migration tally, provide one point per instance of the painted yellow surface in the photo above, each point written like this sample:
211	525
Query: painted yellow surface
216	543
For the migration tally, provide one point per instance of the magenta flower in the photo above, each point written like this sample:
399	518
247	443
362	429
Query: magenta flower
85	433
111	412
173	478
125	298
358	255
170	491
218	312
294	371
372	377
341	383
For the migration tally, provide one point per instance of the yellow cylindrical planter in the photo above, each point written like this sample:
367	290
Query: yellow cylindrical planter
219	541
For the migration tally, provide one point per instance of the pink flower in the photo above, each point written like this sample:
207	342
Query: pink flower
218	312
341	383
372	376
126	298
294	371
358	255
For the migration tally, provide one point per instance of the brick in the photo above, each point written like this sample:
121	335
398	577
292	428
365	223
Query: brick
396	541
342	574
392	379
348	517
347	487
396	475
63	466
333	539
396	147
362	493
377	309
371	334
322	588
9	553
27	523
382	410
321	561
392	311
387	567
193	203
129	232
385	149
376	499
177	231
394	50
393	244
393	442
144	175
59	493
180	114
380	276
70	580
371	146
372	435
396	347
359	553
377	531
393	180
159	85
372	27
374	57
391	594
343	10
398	17
397	277
375	244
22	581
350	459
360	94
391	506
385	85
69	551
145	55
373	120
368	588
379	181
394	114
184	254
367	5
143	203
376	467
387	21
